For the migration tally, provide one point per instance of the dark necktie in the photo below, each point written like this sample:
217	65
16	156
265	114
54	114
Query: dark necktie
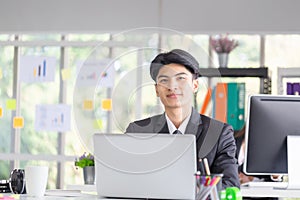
177	132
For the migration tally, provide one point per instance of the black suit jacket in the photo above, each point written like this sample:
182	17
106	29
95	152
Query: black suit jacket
222	156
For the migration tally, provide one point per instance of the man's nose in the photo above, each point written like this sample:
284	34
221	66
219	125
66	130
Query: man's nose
173	84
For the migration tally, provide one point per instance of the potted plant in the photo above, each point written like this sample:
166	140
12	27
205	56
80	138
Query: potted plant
87	163
223	45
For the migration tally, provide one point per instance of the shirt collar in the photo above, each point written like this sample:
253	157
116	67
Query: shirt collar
182	126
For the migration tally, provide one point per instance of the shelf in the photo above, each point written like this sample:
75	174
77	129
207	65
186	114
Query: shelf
261	72
286	73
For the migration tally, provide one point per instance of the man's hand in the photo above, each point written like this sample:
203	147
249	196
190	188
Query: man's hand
244	178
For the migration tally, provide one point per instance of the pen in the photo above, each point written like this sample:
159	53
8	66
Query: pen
207	181
201	167
215	180
198	177
206	166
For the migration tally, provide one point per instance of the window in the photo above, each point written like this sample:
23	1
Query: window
6	93
132	90
281	51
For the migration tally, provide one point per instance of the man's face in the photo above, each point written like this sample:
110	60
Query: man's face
175	86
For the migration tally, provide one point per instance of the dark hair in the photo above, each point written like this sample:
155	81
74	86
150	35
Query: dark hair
176	56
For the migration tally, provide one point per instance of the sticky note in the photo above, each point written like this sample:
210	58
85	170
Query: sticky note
88	105
7	198
11	104
66	74
18	122
107	104
1	112
15	196
98	124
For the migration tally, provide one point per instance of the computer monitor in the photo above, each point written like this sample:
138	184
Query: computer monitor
270	120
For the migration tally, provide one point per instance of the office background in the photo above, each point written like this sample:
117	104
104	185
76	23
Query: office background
130	32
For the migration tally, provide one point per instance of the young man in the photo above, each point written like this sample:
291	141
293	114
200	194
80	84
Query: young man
175	74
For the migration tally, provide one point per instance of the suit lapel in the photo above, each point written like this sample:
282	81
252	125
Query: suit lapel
193	125
161	125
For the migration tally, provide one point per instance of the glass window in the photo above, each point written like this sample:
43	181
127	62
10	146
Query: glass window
246	54
126	57
5	37
41	37
281	51
33	94
6	93
88	37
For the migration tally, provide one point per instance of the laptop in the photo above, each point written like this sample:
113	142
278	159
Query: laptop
151	166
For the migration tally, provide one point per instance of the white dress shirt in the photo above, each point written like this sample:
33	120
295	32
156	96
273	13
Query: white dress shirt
182	126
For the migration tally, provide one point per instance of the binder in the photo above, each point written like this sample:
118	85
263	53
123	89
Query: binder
206	101
241	106
213	97
292	88
236	104
296	89
289	88
221	102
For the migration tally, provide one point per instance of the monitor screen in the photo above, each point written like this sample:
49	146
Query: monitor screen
270	119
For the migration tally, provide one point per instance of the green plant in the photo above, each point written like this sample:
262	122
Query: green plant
87	159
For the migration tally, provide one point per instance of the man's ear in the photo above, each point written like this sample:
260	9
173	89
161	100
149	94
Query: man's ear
195	85
157	94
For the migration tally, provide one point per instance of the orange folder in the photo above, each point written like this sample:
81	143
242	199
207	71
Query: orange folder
206	101
221	102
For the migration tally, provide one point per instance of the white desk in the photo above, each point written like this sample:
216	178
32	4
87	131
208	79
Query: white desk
55	197
269	192
245	191
83	188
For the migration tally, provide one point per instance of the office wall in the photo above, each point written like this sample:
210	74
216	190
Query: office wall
239	16
202	16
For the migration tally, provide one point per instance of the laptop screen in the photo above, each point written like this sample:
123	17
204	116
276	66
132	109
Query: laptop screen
158	166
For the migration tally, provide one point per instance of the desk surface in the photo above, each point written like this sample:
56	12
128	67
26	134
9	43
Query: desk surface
269	192
54	197
245	191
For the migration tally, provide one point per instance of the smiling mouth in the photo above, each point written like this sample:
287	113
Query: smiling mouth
173	95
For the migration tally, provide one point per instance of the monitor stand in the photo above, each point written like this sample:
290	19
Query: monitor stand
293	159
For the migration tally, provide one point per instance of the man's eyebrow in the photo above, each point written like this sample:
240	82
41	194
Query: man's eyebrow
181	73
162	76
165	76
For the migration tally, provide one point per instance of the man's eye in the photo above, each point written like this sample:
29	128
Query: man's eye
163	80
181	78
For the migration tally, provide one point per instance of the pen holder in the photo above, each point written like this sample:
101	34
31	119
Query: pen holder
207	185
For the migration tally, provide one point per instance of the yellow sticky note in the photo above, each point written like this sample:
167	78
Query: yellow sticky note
98	124
1	112
1	73
11	104
66	74
15	196
107	104
88	105
18	122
